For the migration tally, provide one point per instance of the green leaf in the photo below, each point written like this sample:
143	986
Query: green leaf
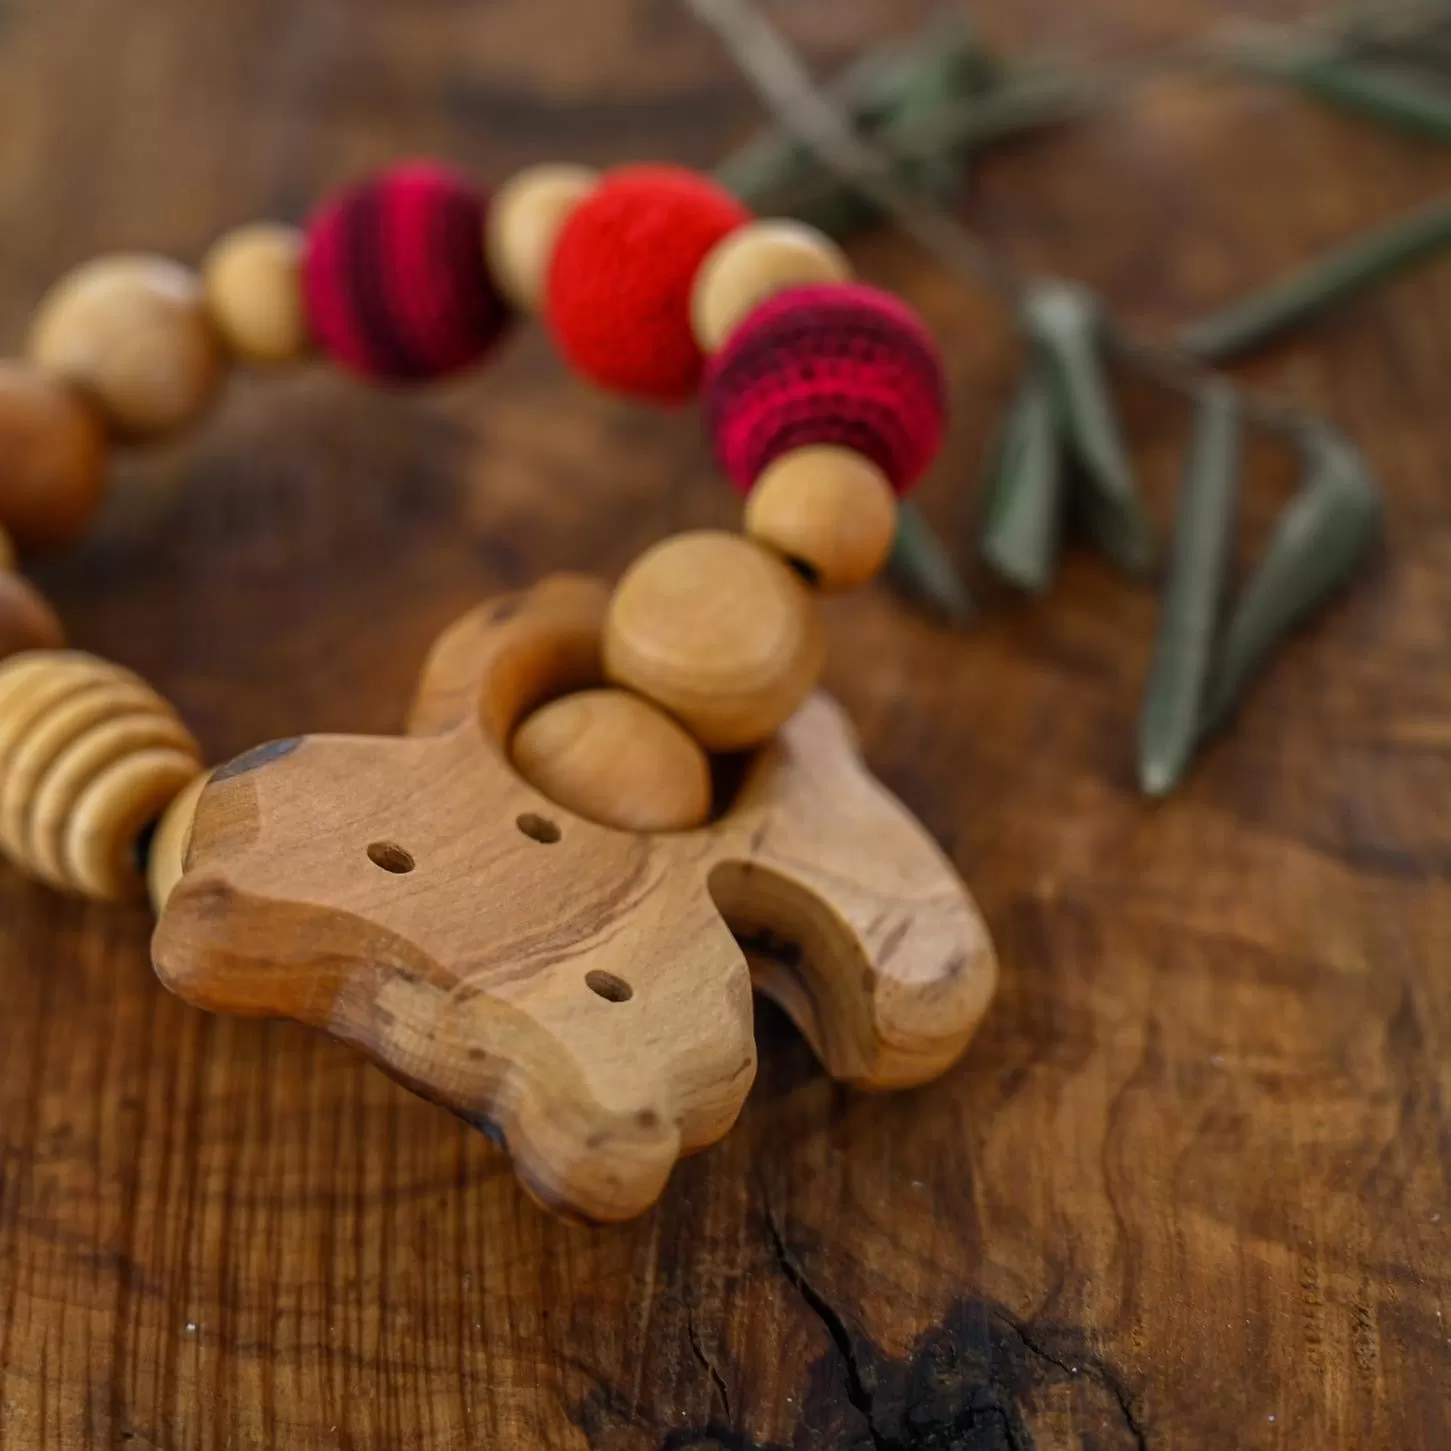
922	570
1064	321
1318	542
1321	284
905	84
1189	614
1385	91
1022	513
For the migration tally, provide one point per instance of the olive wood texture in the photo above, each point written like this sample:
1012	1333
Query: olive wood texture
572	989
1187	1191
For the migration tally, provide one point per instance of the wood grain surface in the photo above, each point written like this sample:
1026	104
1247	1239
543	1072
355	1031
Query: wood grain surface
1189	1189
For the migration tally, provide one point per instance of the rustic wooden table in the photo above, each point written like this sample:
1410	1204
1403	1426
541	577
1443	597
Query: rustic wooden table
1189	1189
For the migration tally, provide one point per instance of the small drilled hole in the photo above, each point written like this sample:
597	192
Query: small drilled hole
538	828
390	856
611	988
805	569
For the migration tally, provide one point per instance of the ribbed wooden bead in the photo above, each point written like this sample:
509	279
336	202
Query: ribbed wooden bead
829	510
52	459
90	756
613	758
523	223
719	631
167	859
27	621
252	278
756	262
132	332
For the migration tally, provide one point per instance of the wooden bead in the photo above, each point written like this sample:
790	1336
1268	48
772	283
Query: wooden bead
167	861
828	509
252	281
615	759
754	263
8	558
719	631
132	332
52	459
27	621
89	757
524	220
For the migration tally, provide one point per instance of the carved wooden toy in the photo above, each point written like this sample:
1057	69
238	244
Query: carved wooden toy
574	989
544	907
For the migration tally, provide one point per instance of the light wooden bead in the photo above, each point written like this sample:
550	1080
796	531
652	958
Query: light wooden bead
167	862
52	459
252	281
524	219
132	332
719	631
753	263
89	757
27	621
828	509
613	758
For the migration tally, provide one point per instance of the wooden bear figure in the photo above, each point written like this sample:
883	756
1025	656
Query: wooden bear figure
581	993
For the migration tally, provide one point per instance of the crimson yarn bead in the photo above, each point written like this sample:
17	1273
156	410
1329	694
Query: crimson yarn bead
618	298
833	363
394	278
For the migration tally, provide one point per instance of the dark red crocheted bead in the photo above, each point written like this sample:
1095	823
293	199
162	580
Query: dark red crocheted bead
619	283
837	363
394	278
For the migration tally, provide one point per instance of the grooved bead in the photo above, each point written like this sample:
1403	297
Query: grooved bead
253	283
614	758
131	331
52	459
167	861
826	508
27	621
753	263
523	223
89	757
719	631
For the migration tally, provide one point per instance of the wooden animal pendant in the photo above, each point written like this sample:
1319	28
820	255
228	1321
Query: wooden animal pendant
583	994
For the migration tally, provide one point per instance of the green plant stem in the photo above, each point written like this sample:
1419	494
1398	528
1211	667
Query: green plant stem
1189	614
1318	542
1320	285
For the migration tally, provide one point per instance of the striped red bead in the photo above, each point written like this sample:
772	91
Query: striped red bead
837	363
394	277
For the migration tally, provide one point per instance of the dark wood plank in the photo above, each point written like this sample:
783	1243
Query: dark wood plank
1190	1187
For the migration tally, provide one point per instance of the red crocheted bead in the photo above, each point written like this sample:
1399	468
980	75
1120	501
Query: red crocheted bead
620	278
394	279
838	363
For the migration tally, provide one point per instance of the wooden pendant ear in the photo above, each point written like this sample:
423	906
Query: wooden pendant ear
582	993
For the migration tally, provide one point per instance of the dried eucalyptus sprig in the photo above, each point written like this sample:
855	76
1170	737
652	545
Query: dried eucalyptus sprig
1189	612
